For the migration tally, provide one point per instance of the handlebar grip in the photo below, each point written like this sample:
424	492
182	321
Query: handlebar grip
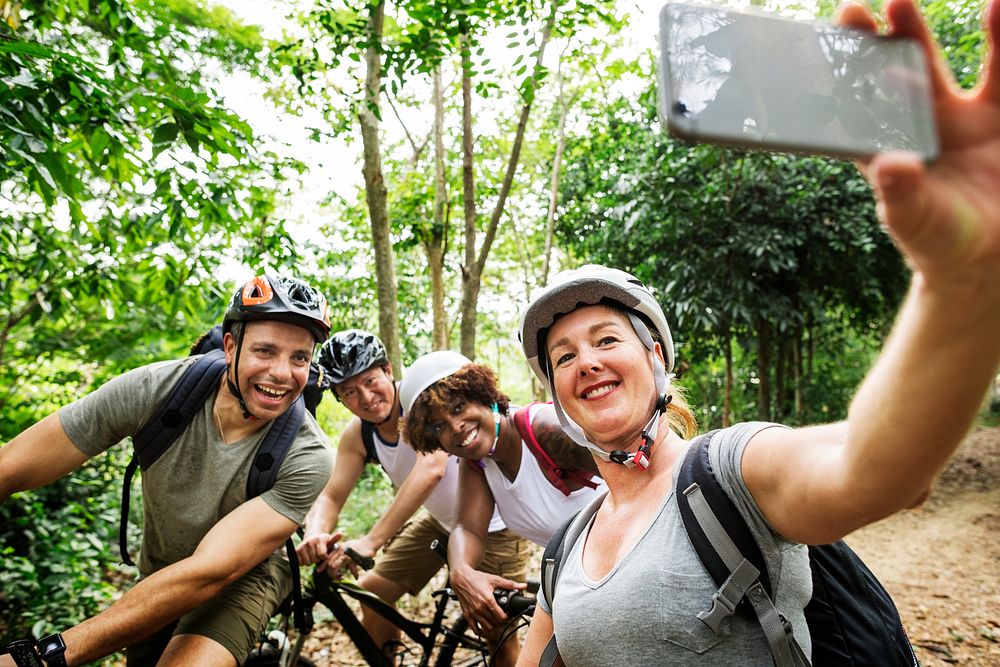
365	562
23	652
513	602
440	547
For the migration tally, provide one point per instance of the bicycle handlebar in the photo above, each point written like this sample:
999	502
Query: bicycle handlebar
364	562
514	603
23	652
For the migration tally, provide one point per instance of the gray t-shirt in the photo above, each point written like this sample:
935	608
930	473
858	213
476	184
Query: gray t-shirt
644	612
199	479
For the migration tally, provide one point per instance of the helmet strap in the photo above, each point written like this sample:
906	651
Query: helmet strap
640	458
233	387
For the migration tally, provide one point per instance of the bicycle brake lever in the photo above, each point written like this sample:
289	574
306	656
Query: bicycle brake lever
365	562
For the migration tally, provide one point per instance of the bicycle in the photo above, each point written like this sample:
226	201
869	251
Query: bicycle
437	639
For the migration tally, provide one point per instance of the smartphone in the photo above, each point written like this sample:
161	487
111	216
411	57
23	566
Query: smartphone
761	81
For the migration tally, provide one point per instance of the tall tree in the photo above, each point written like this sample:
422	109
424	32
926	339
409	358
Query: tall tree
375	189
121	176
475	259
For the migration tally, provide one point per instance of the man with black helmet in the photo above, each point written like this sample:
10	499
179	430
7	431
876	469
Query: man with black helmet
210	572
361	377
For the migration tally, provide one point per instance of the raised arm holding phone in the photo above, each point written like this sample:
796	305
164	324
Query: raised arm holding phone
589	338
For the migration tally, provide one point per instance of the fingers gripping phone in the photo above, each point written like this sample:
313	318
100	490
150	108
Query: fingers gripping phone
760	81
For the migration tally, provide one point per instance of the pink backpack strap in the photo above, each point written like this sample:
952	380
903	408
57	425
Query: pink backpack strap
557	476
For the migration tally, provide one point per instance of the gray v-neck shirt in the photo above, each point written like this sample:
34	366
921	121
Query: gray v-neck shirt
644	611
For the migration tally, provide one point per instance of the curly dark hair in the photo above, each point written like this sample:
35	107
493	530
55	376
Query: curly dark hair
473	383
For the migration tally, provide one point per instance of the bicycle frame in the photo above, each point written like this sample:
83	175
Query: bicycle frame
331	594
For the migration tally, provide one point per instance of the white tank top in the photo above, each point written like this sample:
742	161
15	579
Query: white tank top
398	459
530	505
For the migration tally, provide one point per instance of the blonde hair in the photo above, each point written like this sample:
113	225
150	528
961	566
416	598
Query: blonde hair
680	417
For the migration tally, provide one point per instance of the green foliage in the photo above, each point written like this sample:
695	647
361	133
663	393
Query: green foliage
123	182
59	549
958	28
124	185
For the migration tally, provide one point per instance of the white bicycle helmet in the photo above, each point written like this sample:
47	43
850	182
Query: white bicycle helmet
590	285
427	370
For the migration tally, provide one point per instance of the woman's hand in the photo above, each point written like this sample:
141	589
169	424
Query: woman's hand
475	594
944	216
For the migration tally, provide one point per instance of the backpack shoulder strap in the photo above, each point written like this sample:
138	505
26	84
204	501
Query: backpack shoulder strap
726	547
552	472
186	398
273	448
556	551
315	387
173	415
208	341
368	438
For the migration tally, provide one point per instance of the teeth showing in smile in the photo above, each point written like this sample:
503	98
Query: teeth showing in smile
272	393
469	438
600	391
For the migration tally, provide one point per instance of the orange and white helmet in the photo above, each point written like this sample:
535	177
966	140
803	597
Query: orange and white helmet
283	299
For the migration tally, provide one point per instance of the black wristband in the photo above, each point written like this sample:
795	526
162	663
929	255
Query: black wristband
52	650
24	653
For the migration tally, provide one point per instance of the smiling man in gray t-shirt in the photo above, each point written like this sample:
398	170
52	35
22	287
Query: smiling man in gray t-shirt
211	576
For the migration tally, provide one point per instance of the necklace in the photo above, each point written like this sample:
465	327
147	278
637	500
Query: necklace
218	419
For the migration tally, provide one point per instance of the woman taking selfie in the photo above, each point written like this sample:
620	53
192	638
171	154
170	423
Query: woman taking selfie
631	588
517	459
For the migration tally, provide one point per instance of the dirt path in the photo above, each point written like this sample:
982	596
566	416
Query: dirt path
941	563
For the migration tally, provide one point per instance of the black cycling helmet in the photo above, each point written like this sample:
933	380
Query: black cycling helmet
351	352
274	298
283	299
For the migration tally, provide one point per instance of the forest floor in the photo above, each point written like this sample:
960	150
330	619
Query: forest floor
940	562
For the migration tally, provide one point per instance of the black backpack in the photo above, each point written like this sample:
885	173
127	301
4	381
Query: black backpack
368	438
851	617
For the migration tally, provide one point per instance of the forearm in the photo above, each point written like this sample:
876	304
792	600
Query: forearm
466	549
323	517
412	493
922	395
153	603
185	585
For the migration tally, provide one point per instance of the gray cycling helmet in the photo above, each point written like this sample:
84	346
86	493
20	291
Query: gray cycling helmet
427	370
351	352
592	285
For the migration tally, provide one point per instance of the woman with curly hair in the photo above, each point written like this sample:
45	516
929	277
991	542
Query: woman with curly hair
453	404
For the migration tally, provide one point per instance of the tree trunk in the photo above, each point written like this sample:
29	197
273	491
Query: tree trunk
375	191
727	397
468	200
764	370
550	221
797	370
780	369
473	270
436	244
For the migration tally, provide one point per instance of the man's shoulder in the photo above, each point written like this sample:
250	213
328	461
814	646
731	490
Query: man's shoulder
351	437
